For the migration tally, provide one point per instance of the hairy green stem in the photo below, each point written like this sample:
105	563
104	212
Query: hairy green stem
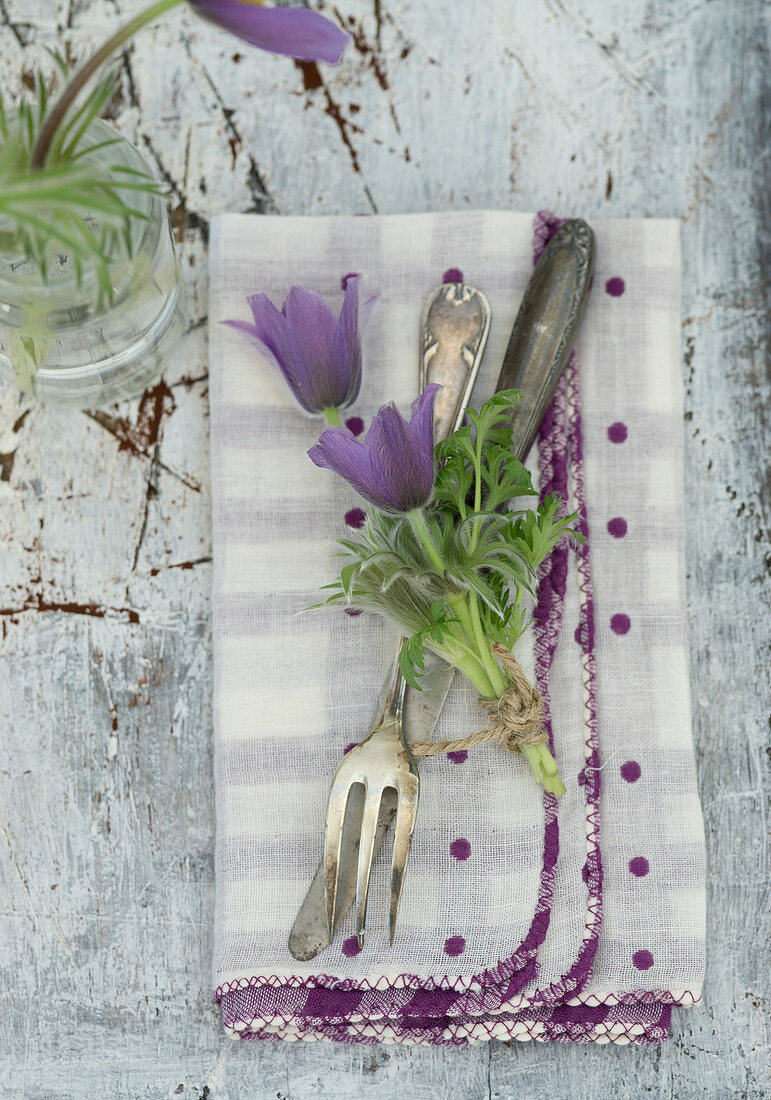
418	521
476	675
456	649
544	768
459	606
332	416
490	681
84	74
477	524
497	678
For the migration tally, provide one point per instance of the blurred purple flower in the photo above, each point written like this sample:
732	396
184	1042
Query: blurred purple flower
394	467
294	32
319	356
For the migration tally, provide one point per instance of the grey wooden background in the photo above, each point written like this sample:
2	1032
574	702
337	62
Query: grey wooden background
593	107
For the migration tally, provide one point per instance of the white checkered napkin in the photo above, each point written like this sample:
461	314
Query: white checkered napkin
291	690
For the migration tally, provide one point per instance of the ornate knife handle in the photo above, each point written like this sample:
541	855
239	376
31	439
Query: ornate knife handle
546	327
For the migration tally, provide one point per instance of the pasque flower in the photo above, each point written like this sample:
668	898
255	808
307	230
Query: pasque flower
393	468
318	355
295	32
452	575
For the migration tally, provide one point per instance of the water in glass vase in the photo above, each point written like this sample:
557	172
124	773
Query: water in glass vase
66	341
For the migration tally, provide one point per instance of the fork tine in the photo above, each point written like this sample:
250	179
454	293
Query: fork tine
333	840
406	815
366	849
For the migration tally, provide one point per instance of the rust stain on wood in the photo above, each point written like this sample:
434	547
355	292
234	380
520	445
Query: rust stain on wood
139	438
37	603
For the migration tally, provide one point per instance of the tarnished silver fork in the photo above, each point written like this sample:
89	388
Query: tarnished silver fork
456	322
380	762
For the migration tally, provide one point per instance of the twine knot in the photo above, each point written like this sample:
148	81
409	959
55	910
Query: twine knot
516	719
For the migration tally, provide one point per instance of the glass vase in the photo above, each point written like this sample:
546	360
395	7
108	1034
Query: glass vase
67	343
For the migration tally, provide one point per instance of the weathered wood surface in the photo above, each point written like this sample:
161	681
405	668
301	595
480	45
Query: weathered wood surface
594	107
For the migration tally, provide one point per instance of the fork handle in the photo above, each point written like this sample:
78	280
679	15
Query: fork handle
391	704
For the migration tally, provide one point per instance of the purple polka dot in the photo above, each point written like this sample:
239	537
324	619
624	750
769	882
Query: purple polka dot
617	432
578	635
615	286
639	866
585	873
617	527
459	757
452	275
356	517
631	771
350	947
456	945
460	849
350	275
349	746
643	960
353	611
355	425
620	623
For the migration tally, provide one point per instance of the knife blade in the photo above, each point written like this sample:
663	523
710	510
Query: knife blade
544	332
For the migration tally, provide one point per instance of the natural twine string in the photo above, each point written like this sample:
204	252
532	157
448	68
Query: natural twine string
517	718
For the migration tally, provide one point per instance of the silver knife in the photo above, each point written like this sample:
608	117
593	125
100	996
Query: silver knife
541	340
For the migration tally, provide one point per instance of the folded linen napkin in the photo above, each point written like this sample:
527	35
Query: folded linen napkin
522	917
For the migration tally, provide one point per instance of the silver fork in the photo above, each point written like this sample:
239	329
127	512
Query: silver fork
380	762
456	322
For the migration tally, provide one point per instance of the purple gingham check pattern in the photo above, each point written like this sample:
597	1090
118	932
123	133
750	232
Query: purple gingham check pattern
541	928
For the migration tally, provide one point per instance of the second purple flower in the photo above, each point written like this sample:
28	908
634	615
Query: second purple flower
394	467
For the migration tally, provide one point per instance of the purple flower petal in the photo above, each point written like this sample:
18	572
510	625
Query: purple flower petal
393	468
423	417
269	334
293	32
338	450
347	344
311	327
271	328
405	472
270	324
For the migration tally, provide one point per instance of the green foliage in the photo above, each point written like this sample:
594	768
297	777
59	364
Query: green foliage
80	203
490	545
412	656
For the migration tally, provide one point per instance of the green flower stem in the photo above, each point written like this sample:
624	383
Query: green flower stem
332	416
544	768
488	678
497	678
84	74
418	521
476	526
458	603
460	607
473	671
465	639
